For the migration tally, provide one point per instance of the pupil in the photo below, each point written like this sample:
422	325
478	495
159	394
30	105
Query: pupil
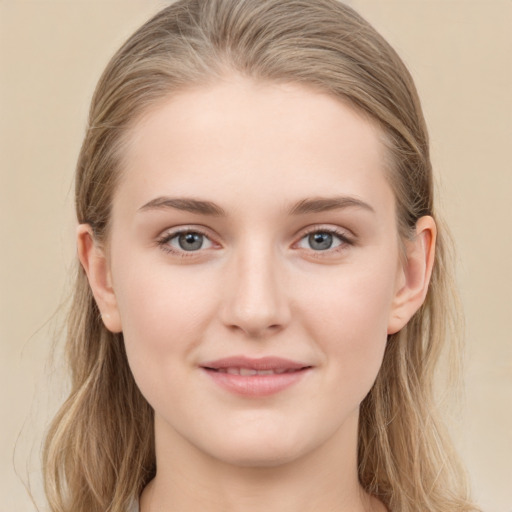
320	241
190	241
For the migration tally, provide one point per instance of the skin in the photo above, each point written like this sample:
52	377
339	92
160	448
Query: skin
257	287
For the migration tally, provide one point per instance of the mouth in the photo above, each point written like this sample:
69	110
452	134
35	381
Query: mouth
255	377
251	371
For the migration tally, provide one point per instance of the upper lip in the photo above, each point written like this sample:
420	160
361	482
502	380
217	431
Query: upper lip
262	363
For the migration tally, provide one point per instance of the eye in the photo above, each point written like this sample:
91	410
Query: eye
185	241
323	240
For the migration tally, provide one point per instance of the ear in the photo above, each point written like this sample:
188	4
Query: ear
96	266
414	275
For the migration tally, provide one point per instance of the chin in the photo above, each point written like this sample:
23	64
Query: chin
259	448
260	457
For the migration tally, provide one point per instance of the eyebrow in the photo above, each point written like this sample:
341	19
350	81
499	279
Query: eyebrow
185	204
324	204
305	206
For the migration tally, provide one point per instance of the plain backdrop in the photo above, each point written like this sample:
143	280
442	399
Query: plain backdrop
51	55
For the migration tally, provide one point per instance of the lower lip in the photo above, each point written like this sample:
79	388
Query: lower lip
256	385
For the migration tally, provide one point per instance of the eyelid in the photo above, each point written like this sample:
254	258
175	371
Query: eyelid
327	228
167	235
345	235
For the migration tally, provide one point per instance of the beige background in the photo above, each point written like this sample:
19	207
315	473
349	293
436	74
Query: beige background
51	54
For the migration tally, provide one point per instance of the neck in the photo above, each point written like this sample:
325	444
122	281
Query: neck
324	479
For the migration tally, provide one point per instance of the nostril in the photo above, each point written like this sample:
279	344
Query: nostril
255	306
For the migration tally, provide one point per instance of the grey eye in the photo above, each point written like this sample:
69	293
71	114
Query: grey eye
190	241
320	241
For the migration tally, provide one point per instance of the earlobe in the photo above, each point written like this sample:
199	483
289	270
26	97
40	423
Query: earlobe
414	276
95	263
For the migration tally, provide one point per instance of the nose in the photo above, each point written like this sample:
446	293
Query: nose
254	296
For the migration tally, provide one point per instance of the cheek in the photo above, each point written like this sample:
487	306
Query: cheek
164	317
350	323
163	314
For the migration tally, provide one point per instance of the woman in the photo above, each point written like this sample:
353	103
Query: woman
263	293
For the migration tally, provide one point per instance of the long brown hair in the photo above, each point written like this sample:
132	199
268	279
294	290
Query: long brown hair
99	453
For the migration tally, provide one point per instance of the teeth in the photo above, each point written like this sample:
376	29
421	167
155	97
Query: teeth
247	371
251	371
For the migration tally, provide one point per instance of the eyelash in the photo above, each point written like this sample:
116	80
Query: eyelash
345	240
163	242
340	234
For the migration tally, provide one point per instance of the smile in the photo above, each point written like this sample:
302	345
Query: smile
251	371
255	377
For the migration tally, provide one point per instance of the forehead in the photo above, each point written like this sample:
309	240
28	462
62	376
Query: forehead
267	141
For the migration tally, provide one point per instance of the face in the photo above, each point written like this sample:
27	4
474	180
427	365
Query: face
254	265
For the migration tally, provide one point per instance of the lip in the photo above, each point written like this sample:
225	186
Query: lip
290	373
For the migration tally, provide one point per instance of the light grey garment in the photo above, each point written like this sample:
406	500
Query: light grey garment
134	506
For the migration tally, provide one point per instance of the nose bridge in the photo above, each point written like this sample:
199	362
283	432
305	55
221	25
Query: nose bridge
255	301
